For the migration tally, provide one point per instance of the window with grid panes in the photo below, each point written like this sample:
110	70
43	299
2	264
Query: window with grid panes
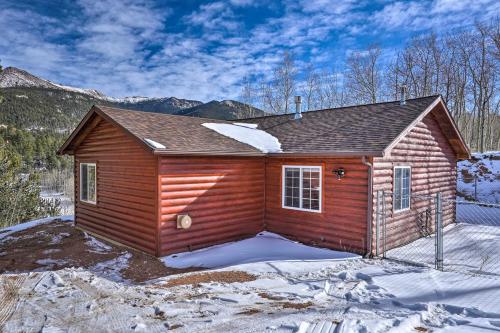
402	187
302	188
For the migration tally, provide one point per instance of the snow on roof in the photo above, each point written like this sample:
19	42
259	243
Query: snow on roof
154	144
266	246
256	138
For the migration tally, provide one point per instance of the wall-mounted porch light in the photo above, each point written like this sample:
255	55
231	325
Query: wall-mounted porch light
340	172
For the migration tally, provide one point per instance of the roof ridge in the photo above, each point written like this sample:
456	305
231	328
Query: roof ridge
342	107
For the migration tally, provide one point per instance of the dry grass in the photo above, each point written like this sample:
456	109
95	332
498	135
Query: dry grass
208	277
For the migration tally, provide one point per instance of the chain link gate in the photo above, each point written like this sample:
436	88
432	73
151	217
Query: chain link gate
443	233
396	231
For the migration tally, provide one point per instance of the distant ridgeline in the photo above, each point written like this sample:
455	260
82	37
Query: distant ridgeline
54	109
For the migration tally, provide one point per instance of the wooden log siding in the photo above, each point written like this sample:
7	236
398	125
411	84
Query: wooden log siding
342	222
224	197
433	169
126	188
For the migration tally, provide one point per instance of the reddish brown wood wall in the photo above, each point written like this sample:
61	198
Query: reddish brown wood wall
140	195
341	224
433	169
126	188
224	197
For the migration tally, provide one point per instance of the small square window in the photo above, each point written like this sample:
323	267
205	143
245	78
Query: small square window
88	182
402	188
302	188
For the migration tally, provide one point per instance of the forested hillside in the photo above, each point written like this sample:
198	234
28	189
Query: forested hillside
37	108
36	121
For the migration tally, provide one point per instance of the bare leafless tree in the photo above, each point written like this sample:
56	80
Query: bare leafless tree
463	67
332	89
248	96
311	88
277	95
363	75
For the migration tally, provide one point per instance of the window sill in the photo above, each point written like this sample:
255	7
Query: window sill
90	203
400	211
302	209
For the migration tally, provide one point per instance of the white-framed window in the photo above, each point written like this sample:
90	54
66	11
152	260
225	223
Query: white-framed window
88	181
402	187
302	188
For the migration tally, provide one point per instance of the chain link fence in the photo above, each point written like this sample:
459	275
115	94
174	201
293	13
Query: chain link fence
441	232
482	188
58	185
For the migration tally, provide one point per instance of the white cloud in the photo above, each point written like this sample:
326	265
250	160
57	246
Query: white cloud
214	15
438	15
127	47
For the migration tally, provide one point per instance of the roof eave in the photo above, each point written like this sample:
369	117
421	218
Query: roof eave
327	154
64	149
96	110
163	152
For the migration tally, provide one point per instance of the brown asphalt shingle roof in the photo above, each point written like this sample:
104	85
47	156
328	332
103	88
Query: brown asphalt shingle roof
361	129
357	130
181	134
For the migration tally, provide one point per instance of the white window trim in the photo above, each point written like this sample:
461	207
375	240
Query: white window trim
80	190
320	201
394	188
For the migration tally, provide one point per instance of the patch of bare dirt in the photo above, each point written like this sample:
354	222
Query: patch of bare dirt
297	306
143	267
174	327
467	177
270	297
208	277
421	329
249	312
59	245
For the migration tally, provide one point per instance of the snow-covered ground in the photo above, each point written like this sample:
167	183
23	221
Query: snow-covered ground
468	248
485	168
287	287
23	226
266	246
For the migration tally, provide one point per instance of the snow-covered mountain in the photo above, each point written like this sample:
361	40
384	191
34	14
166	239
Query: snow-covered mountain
14	77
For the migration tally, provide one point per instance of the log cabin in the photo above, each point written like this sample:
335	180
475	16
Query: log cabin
165	184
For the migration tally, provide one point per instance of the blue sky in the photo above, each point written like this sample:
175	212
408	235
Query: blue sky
202	50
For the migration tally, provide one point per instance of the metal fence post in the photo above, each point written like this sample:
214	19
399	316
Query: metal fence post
384	228
475	187
377	225
439	233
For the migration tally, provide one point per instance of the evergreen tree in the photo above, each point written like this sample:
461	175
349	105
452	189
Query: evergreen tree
19	192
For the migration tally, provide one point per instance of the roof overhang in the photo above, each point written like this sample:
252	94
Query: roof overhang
164	152
90	121
438	107
448	126
328	154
